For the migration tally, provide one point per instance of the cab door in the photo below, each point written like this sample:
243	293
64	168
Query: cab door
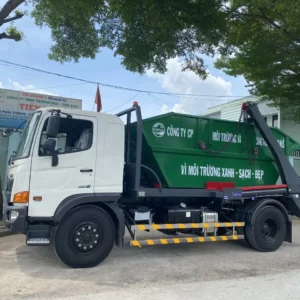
74	174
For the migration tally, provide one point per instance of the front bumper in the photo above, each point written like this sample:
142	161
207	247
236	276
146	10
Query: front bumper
17	224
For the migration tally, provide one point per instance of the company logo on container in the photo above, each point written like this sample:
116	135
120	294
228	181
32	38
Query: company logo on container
158	129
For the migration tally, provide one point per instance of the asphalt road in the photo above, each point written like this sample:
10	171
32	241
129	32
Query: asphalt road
200	271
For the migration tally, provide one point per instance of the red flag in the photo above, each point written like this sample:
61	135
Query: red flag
98	100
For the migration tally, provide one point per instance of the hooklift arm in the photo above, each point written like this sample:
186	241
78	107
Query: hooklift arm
287	173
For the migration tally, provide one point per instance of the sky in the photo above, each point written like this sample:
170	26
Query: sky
34	49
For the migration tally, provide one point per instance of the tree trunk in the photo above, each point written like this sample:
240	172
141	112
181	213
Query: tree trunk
7	8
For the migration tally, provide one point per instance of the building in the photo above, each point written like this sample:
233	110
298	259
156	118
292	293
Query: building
275	117
15	108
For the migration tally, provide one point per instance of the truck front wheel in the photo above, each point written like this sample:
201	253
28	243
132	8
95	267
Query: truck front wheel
85	237
268	229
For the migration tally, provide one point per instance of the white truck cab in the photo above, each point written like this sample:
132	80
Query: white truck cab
84	158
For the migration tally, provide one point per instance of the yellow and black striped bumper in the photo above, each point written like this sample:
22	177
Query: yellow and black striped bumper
188	225
185	240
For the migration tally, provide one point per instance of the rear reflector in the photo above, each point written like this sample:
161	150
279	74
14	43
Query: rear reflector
218	186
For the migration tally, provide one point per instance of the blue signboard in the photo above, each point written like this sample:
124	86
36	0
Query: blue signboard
16	106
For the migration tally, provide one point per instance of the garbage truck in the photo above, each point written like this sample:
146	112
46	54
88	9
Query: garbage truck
80	180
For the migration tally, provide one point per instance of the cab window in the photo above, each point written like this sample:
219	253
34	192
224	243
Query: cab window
74	135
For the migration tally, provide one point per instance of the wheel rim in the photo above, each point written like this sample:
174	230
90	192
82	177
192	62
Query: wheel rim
86	238
270	230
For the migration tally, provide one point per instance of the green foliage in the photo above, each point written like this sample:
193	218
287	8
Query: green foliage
19	12
258	39
143	33
73	27
264	40
11	6
14	33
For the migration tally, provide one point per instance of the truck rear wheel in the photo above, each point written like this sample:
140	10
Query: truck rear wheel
85	237
268	230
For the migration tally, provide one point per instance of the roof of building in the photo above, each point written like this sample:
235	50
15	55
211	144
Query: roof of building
218	108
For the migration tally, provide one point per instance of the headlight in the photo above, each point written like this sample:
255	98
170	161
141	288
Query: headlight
13	216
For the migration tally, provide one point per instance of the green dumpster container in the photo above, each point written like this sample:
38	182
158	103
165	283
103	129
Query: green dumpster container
187	151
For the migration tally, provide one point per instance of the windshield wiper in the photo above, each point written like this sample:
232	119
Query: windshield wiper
9	131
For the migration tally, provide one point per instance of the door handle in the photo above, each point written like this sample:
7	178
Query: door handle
86	170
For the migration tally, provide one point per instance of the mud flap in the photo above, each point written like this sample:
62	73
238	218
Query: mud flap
288	236
293	205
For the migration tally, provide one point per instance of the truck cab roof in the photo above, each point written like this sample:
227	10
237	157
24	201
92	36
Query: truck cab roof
80	112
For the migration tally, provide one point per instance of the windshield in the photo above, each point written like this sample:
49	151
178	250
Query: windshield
24	147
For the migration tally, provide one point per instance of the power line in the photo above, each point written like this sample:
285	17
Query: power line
56	86
53	87
73	90
7	63
162	100
123	103
157	101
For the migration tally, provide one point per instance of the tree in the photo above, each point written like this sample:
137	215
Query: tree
11	32
263	45
143	33
258	39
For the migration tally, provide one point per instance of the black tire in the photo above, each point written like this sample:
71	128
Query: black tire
246	237
85	237
268	231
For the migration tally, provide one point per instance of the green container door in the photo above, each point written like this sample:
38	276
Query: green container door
188	151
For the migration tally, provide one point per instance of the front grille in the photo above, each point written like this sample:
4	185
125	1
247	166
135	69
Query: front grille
7	196
9	186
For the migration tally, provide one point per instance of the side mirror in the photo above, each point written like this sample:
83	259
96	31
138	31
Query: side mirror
53	126
49	146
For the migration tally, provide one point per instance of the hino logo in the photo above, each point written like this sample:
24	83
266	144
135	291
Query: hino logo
158	129
84	186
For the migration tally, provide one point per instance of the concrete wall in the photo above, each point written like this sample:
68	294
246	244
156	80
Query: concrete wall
232	111
293	130
296	165
290	127
269	112
228	111
266	110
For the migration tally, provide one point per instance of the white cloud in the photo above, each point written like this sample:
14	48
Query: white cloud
1	85
177	81
177	108
28	88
